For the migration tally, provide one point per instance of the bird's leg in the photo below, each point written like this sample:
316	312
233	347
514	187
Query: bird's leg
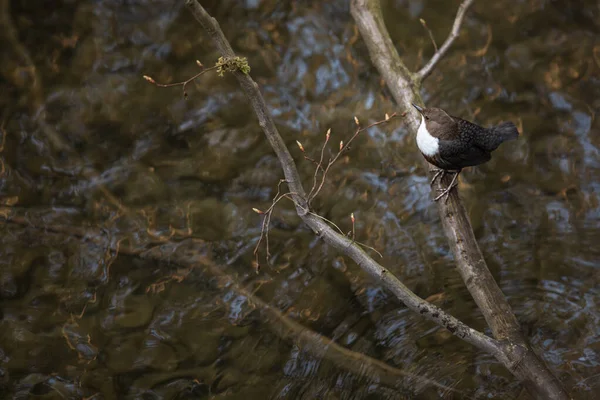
438	172
453	183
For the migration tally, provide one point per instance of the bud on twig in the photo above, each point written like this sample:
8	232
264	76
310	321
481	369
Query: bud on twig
352	217
199	64
256	210
387	117
300	146
341	145
327	135
256	266
149	79
356	120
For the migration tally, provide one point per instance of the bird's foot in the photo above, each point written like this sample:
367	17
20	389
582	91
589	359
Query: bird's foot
438	172
446	192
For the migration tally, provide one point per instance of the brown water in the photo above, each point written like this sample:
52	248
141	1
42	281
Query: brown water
81	125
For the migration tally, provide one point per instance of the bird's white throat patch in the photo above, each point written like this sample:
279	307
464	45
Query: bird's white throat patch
428	144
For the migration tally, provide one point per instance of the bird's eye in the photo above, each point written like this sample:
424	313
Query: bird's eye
426	117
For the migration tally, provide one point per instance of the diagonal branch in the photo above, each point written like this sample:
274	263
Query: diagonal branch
404	86
439	54
457	226
211	26
321	228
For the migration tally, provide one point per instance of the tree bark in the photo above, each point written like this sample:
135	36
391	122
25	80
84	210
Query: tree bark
404	85
509	347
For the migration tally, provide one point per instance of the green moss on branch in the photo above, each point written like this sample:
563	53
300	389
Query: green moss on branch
231	64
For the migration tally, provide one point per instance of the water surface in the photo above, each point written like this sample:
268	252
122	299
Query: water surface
95	158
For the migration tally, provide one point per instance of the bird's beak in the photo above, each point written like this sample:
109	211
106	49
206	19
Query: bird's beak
419	109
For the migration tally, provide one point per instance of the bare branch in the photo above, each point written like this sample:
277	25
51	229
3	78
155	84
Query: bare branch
403	293
183	84
457	226
404	86
439	54
320	227
258	103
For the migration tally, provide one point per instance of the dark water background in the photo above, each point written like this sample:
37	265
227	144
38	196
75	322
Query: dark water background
79	124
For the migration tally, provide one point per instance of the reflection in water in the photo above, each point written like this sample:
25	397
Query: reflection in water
79	124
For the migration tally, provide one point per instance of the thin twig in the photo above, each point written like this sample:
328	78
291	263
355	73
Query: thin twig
369	247
430	34
264	232
182	83
353	232
319	167
319	164
439	54
343	148
330	222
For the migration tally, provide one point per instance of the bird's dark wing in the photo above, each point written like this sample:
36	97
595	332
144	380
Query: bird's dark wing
469	132
455	155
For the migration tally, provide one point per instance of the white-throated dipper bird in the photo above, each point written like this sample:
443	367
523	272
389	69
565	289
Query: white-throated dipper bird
451	143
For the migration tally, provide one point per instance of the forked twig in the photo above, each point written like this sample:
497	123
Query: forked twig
224	65
437	56
182	83
264	231
316	189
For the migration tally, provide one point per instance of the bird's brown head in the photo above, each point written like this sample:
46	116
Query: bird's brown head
435	118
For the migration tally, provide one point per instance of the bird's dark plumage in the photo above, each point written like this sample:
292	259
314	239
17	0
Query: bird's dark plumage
461	143
451	143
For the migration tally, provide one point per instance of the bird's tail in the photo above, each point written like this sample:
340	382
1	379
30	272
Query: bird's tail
499	134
